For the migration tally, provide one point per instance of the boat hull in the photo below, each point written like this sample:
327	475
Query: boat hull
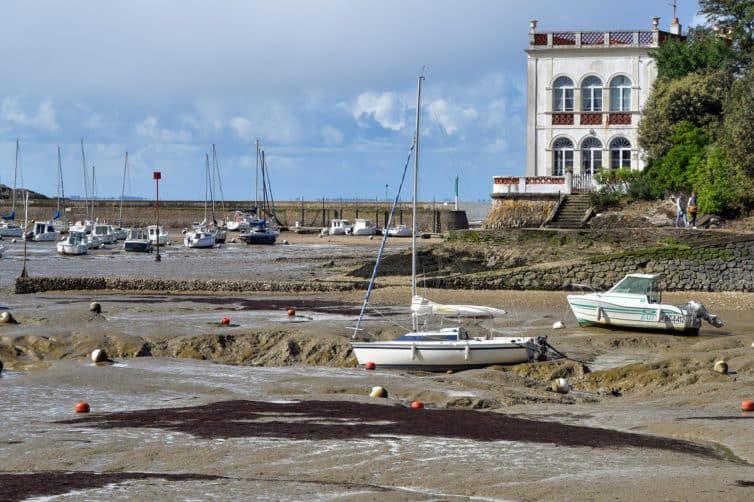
592	310
138	246
259	238
72	249
443	355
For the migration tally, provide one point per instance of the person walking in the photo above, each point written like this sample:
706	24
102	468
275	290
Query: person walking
691	210
680	211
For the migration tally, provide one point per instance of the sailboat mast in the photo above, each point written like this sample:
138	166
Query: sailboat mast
206	186
256	181
212	181
416	186
60	179
94	190
15	176
123	190
86	180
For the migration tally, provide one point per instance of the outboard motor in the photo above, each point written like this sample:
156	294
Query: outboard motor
700	312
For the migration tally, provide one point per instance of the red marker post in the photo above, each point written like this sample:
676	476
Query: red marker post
157	176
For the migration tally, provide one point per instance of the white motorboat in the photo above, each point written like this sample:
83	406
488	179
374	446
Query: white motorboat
137	240
338	226
85	226
43	231
120	233
76	243
106	233
446	348
362	226
8	229
635	302
199	239
399	231
157	235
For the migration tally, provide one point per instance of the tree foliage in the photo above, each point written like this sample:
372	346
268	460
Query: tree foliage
737	136
703	50
733	19
696	98
717	186
675	171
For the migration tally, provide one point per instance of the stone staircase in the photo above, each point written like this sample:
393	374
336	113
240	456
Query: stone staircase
571	213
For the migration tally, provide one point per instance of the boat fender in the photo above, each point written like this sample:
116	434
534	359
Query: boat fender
413	351
599	313
467	352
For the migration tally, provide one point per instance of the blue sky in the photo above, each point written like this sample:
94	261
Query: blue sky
327	86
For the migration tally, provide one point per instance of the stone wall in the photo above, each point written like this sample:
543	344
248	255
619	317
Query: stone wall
39	284
519	213
725	266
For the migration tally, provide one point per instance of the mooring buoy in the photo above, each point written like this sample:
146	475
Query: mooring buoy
721	367
7	317
99	356
370	365
95	307
560	385
81	407
378	392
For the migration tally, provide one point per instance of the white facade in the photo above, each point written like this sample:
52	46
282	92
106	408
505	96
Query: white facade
585	94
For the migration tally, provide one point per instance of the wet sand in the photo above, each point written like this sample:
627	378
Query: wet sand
271	406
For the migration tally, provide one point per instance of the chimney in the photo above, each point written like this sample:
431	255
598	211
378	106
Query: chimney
655	23
675	28
532	26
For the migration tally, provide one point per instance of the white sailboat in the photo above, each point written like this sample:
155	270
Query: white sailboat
446	348
7	227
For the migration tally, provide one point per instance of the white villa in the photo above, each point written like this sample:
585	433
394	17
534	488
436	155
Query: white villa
585	94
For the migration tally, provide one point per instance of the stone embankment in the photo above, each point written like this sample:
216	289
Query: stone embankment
724	266
26	285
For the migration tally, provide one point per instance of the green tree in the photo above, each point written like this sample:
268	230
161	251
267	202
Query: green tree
737	136
696	98
702	51
717	185
675	171
733	19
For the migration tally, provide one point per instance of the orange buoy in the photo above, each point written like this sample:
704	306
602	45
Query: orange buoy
82	407
417	405
369	365
225	320
291	311
747	406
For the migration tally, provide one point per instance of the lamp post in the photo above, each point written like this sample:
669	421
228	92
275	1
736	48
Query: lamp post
386	196
156	175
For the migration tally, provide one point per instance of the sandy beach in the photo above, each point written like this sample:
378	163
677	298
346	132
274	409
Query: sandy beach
273	405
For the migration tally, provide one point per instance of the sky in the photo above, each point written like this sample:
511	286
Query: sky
328	87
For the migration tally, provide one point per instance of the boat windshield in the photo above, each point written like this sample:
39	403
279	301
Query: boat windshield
638	286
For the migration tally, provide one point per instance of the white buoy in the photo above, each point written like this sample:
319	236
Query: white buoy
99	356
378	392
95	307
721	367
6	317
558	325
13	240
560	385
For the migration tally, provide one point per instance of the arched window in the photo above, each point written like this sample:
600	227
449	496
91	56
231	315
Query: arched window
620	153
620	94
562	156
591	155
591	95
562	95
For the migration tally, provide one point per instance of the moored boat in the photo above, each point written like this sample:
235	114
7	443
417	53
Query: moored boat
157	235
43	231
75	243
259	233
137	240
362	226
635	302
199	239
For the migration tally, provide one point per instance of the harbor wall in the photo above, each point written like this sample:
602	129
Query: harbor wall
725	266
25	285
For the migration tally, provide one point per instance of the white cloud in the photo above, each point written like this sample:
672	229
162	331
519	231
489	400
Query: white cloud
385	108
499	145
43	120
332	136
451	116
149	128
242	128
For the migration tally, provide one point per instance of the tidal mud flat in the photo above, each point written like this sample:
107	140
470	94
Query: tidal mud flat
271	405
